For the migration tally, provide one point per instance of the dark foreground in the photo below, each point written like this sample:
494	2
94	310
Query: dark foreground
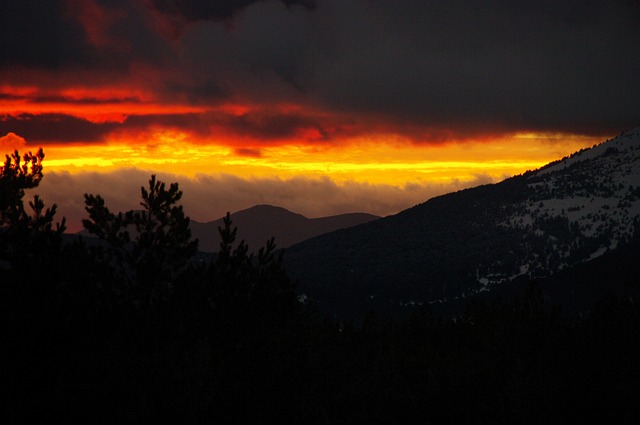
78	358
136	329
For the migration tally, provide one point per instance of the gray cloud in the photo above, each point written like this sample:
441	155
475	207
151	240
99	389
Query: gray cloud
431	66
219	10
209	197
509	65
43	128
38	34
263	125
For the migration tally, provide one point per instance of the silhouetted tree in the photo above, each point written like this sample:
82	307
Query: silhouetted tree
17	174
149	247
253	285
30	262
25	235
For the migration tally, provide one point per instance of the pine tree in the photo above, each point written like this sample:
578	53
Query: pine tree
26	236
150	247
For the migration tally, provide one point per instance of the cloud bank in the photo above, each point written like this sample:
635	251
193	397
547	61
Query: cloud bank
209	197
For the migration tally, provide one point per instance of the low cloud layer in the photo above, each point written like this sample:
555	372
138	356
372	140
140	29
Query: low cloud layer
208	198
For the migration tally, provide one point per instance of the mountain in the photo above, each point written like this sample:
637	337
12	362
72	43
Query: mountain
530	226
256	225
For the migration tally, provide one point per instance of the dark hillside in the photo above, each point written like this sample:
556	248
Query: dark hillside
454	246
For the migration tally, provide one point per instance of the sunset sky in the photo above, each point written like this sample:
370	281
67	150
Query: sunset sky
318	106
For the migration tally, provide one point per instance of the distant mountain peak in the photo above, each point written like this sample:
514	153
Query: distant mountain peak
257	224
266	207
265	212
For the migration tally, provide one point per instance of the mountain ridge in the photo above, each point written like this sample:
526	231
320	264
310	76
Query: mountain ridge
257	224
459	244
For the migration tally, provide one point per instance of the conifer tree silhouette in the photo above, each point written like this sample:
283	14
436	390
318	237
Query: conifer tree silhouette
150	247
25	236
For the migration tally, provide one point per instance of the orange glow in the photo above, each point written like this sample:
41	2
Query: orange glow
371	160
314	144
235	109
115	111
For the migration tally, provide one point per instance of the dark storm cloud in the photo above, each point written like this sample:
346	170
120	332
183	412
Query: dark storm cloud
220	10
514	65
249	128
429	70
269	126
432	69
44	128
38	34
85	101
106	36
253	126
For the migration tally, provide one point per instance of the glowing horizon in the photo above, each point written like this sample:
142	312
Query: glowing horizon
340	107
379	162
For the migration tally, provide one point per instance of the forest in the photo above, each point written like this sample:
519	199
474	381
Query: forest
132	325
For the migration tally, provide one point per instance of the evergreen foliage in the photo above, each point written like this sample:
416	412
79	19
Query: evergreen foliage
148	248
26	235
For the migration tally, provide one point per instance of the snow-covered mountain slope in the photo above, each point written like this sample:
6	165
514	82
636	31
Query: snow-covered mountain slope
594	194
527	227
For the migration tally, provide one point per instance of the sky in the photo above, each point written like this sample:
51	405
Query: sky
319	106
